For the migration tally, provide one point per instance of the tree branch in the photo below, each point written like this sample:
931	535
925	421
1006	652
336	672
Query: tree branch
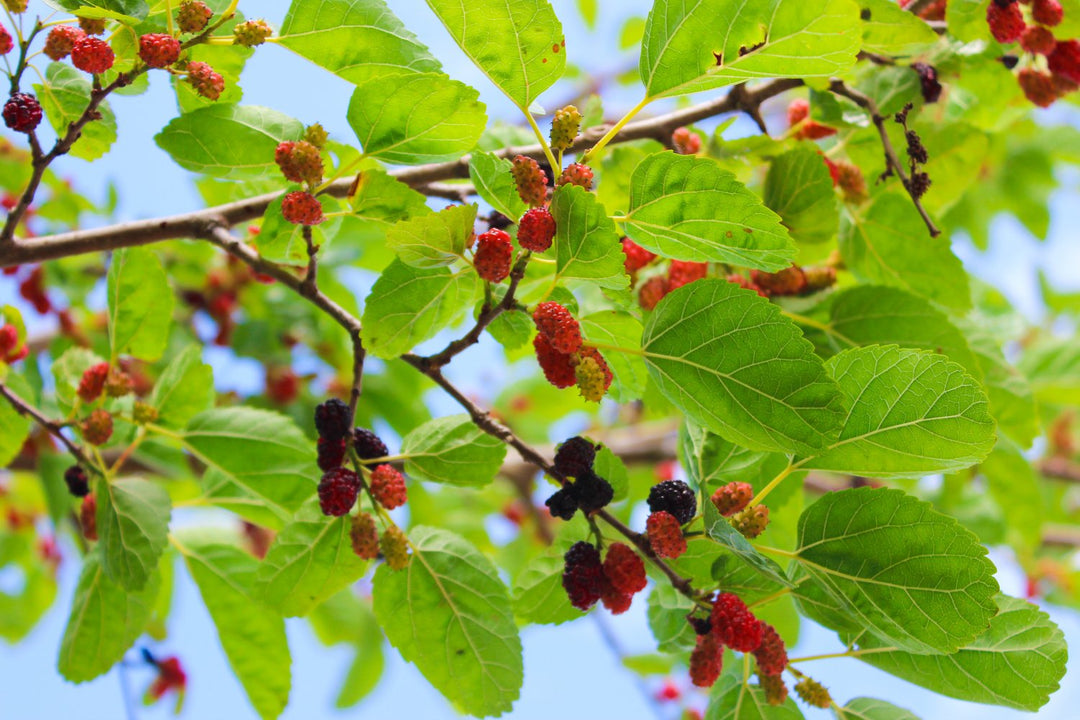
54	428
193	224
892	161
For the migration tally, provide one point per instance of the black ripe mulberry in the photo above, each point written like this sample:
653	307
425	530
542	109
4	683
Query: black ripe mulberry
675	497
332	420
563	503
368	445
575	457
583	575
593	492
77	482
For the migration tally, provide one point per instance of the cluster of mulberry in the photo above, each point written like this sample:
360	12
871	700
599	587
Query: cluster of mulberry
564	358
1049	67
732	624
588	491
614	581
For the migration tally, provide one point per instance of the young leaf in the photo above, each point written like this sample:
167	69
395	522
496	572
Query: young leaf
105	620
689	208
911	414
454	451
229	141
912	576
254	457
126	11
310	560
1019	662
64	97
359	40
185	388
733	364
539	596
133	525
720	530
800	190
491	176
872	708
433	240
888	245
414	119
519	45
140	304
587	246
408	305
450	615
252	636
683	51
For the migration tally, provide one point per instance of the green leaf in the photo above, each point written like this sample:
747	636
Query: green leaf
720	530
891	30
519	44
252	636
880	315
689	208
769	38
23	606
452	450
1012	402
1053	369
610	327
433	240
254	457
890	245
538	594
133	526
281	241
587	247
800	189
911	414
450	615
667	611
310	560
873	709
16	426
910	575
610	466
1014	485
733	364
359	40
490	174
1019	662
123	10
64	97
734	699
185	388
379	196
408	305
105	620
140	304
414	119
229	141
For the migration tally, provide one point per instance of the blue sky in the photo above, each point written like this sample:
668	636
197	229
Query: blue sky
570	672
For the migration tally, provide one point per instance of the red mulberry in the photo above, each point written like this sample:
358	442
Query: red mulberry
61	40
771	655
583	575
536	230
92	55
337	491
555	323
734	625
159	50
558	367
388	486
364	537
576	174
1006	21
706	661
732	498
665	535
493	255
625	569
92	383
530	180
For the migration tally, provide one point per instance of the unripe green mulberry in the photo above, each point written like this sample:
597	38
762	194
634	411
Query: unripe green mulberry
564	127
395	548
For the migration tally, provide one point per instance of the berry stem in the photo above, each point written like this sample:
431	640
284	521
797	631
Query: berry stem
169	18
777	551
892	161
772	485
769	598
555	166
614	130
818	325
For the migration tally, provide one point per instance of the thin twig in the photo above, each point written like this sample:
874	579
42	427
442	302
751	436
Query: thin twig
190	225
892	160
54	428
